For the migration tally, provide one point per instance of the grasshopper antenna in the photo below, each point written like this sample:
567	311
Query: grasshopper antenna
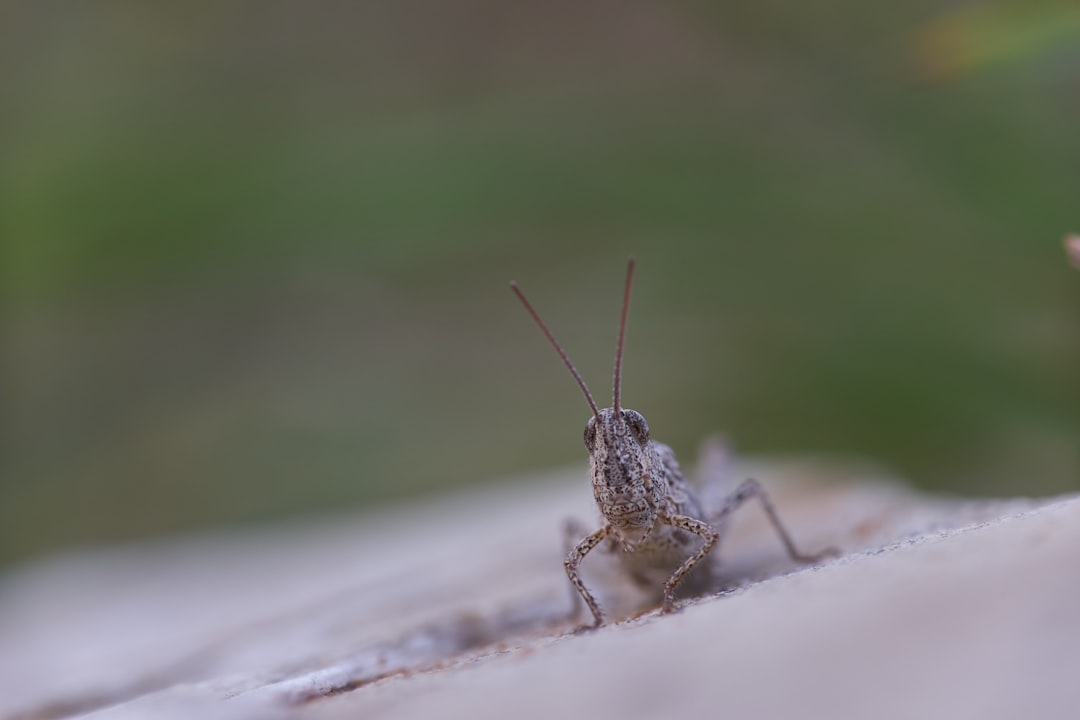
558	347
622	336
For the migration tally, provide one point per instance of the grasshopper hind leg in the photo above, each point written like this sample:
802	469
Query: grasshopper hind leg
750	489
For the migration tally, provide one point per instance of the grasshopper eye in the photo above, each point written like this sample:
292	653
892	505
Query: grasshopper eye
638	427
590	433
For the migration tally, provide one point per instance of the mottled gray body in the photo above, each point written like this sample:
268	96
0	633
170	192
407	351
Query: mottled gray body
638	485
649	509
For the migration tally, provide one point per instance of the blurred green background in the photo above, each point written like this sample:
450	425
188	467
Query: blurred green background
254	255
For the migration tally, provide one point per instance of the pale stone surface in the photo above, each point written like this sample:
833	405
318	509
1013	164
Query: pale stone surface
455	608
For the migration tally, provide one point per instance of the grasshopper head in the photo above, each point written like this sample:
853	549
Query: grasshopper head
623	467
610	429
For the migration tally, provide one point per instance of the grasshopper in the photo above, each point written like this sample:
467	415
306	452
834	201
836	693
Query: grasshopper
647	505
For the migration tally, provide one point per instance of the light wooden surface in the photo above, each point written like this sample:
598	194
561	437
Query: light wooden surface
456	608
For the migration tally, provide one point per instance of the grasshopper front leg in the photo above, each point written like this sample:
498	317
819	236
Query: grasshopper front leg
573	561
702	530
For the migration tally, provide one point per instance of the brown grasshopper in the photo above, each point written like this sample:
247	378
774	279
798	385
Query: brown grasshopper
647	504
